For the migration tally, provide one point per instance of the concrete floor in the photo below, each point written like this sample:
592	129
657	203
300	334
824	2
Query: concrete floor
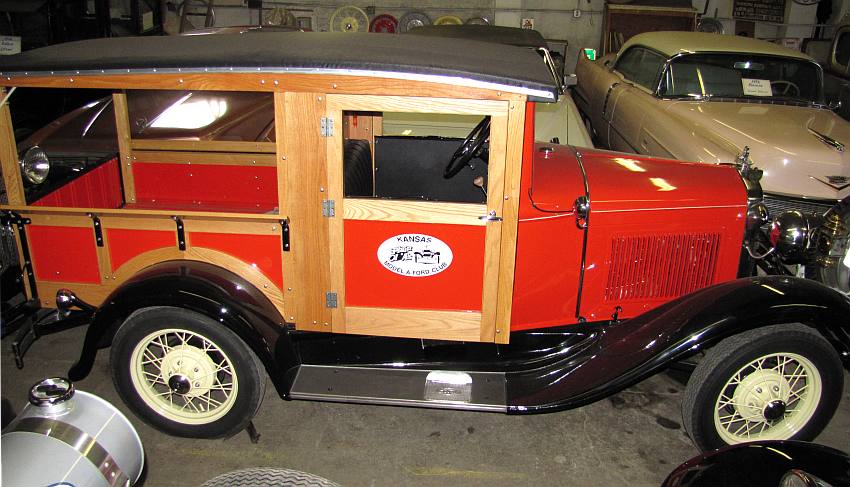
634	438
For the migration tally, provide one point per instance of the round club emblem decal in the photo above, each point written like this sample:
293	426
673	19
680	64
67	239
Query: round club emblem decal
415	255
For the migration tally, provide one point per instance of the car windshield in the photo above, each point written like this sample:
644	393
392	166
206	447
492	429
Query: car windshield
728	75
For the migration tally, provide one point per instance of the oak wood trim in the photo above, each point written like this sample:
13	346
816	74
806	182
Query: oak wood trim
239	228
418	104
200	254
158	223
9	157
56	210
510	221
409	323
336	225
377	130
67	220
125	160
287	260
495	199
413	211
322	83
306	187
203	145
216	158
336	236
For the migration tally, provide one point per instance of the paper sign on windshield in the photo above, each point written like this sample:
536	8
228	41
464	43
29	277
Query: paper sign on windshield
756	87
10	44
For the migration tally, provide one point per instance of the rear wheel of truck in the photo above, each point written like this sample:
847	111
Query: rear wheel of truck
780	382
185	374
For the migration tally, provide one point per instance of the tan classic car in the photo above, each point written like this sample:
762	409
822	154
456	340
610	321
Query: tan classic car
705	97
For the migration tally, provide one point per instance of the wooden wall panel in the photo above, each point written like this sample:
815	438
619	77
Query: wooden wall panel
306	177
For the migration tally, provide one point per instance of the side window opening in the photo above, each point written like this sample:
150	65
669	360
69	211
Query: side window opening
405	156
629	64
641	66
203	151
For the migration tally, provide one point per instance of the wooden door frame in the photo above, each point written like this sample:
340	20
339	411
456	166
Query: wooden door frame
506	138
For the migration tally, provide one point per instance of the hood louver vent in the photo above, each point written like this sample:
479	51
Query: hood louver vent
661	266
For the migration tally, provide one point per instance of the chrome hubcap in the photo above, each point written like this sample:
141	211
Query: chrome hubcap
179	384
774	410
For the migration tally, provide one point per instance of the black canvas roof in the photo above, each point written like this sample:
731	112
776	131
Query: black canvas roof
512	36
468	63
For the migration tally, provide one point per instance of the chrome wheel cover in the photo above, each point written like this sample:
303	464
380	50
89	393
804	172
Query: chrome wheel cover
771	398
183	376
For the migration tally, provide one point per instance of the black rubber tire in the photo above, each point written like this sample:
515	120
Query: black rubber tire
730	355
246	366
268	477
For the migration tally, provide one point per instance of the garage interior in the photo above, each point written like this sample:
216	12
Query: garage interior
634	437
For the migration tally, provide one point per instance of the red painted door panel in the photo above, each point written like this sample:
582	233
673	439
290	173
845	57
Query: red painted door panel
370	281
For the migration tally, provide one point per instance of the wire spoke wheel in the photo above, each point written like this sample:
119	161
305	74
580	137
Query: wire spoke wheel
185	373
183	376
770	398
778	382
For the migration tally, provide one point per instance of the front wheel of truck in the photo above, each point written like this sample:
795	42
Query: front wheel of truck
781	382
185	374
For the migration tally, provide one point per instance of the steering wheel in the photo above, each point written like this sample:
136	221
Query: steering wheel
787	88
471	147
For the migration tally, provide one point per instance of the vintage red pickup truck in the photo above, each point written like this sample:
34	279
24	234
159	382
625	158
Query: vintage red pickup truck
354	252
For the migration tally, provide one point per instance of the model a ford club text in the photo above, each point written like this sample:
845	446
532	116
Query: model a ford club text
280	201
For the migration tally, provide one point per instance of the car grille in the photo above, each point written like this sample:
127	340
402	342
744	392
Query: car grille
777	205
661	266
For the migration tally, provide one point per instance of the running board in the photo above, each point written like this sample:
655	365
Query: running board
443	389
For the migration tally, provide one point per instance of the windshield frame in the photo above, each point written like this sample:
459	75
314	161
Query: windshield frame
818	102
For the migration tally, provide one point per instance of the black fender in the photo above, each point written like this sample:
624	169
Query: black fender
629	351
203	288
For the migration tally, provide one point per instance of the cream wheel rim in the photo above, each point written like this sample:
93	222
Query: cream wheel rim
183	376
770	398
349	18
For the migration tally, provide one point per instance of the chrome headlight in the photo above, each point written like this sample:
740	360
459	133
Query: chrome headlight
790	235
35	165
